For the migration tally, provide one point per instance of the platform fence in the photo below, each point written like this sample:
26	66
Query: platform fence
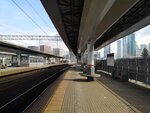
136	68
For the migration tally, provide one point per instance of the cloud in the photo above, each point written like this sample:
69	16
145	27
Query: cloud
11	31
38	31
14	22
143	35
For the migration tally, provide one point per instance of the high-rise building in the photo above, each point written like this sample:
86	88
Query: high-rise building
137	46
45	48
124	46
106	51
119	49
138	52
131	50
97	55
36	48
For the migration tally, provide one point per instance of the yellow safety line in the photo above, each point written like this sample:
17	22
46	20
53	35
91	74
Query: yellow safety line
57	100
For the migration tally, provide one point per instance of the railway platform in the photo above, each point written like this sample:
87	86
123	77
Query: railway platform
74	94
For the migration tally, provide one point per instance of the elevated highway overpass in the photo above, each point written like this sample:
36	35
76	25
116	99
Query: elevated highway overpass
101	21
26	52
93	24
7	47
82	24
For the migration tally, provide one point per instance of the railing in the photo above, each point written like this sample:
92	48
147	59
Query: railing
137	69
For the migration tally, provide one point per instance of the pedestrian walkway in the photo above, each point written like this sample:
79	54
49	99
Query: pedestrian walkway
77	95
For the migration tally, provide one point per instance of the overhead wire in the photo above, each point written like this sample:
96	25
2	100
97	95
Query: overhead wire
8	37
8	27
29	17
38	14
12	30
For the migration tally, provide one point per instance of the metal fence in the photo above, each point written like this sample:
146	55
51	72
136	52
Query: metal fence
137	69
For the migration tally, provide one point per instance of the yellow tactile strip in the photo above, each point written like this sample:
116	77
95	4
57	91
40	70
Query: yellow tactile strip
70	99
76	95
39	105
56	102
91	97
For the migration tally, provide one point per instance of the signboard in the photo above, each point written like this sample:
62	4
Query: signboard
110	59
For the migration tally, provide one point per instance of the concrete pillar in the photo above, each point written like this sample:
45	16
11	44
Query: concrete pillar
45	60
82	62
28	60
49	60
19	59
82	58
24	60
57	60
82	65
78	57
90	62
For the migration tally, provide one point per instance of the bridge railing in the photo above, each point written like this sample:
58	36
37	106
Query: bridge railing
134	68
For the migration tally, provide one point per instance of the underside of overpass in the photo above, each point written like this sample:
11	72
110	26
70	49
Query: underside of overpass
79	21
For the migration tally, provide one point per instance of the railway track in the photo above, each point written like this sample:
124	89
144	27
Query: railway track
25	94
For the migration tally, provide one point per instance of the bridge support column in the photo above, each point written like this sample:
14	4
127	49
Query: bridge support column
57	60
45	60
90	62
49	60
82	63
19	59
82	58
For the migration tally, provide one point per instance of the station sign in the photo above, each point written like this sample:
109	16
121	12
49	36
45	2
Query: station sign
110	59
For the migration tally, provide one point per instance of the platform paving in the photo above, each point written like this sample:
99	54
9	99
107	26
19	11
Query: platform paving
134	93
77	95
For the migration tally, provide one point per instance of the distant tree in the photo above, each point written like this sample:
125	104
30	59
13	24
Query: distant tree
145	53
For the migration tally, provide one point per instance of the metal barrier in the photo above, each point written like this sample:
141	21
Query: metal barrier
135	68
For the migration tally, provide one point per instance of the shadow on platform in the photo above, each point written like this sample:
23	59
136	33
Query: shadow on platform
77	80
136	95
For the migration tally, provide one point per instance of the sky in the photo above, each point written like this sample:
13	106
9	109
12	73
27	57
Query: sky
142	36
26	17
